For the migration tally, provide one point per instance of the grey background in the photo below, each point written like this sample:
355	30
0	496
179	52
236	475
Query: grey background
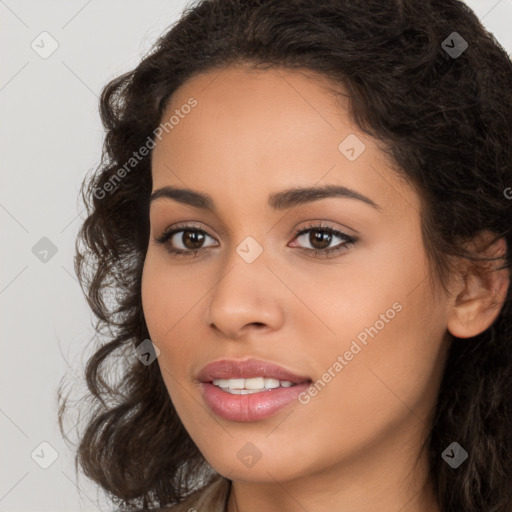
51	137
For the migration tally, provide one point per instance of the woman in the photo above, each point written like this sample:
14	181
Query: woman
304	212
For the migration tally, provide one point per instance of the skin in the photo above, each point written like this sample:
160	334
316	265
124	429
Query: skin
355	445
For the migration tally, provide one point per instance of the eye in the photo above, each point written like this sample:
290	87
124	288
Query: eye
320	238
188	240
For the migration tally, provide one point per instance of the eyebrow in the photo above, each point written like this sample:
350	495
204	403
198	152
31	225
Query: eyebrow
278	201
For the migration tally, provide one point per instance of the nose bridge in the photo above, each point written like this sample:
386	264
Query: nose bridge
245	291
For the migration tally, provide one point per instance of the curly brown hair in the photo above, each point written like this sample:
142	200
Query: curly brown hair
445	120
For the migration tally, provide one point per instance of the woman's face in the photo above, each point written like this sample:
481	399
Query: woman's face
362	320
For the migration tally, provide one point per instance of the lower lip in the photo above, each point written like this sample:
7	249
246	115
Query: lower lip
250	407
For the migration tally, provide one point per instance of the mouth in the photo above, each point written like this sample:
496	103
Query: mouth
269	388
253	405
249	376
251	385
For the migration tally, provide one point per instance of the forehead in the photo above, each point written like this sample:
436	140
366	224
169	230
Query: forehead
260	131
241	111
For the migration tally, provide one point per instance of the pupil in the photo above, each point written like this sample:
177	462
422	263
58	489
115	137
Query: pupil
320	236
194	237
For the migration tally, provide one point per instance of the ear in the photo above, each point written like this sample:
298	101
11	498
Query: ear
480	289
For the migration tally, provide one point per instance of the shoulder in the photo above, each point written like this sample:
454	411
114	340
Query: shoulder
210	498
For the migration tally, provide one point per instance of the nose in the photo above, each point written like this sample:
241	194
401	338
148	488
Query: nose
245	298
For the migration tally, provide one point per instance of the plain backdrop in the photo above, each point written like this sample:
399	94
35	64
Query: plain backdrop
55	58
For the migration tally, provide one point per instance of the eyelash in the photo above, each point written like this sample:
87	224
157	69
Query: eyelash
318	253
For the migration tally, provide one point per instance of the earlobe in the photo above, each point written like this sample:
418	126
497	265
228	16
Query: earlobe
480	295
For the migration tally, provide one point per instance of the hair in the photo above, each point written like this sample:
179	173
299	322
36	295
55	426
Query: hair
446	124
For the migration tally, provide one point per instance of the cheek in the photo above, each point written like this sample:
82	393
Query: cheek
388	329
390	382
371	282
170	299
395	370
152	293
167	296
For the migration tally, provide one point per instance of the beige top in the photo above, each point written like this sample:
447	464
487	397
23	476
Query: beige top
210	498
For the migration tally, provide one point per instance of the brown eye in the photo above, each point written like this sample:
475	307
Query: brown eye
192	239
184	240
189	240
320	239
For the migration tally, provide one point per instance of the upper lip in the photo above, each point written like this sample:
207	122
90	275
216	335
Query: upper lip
245	369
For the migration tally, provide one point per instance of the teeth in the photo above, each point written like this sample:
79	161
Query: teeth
236	383
252	385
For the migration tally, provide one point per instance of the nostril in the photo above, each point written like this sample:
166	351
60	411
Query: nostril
258	324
